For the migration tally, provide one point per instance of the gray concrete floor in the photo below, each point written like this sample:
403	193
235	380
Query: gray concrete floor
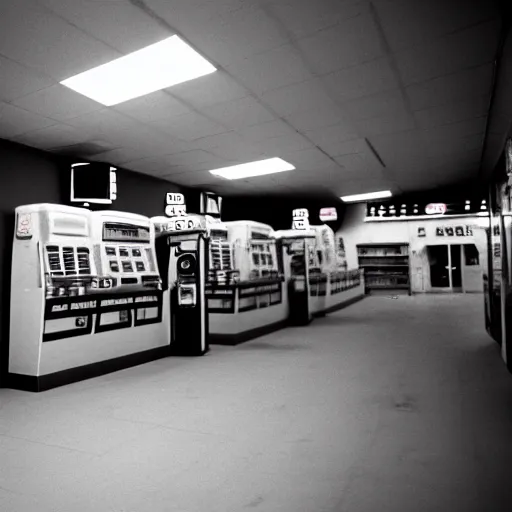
389	405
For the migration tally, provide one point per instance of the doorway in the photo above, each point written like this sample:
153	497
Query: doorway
445	267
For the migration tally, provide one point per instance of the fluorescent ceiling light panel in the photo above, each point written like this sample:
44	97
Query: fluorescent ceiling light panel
252	169
366	197
160	65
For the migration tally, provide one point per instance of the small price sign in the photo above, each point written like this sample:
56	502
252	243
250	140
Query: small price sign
173	210
175	205
300	219
24	227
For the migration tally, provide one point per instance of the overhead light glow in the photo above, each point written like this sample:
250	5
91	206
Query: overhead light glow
252	169
155	67
366	197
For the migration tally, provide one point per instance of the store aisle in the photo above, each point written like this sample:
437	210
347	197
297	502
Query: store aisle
388	405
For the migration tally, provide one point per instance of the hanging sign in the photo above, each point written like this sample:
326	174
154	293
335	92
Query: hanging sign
328	214
435	209
24	226
175	205
300	219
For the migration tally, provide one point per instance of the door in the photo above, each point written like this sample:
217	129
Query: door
455	267
439	266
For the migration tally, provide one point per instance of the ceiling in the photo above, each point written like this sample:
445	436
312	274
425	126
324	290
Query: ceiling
358	95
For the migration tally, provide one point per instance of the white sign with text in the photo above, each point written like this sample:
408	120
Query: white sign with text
300	219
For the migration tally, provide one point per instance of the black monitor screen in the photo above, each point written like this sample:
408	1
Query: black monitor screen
210	204
90	183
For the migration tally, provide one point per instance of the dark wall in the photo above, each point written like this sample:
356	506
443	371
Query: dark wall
136	193
499	120
277	211
30	176
26	176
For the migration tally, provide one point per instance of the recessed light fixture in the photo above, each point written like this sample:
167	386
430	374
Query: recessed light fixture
252	169
155	67
365	197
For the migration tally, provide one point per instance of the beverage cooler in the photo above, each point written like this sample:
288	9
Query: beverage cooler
86	296
245	292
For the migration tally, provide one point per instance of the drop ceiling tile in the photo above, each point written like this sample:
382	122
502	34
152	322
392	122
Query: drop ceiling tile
311	158
212	89
240	33
209	142
16	121
147	165
474	46
263	131
350	43
332	138
55	136
395	149
240	153
18	80
194	157
222	31
303	17
105	122
470	83
191	178
401	121
348	147
359	165
171	168
453	146
57	102
120	156
453	112
239	113
189	127
35	37
123	131
91	147
382	104
270	70
312	119
455	130
153	107
150	140
407	24
362	80
274	146
119	24
294	98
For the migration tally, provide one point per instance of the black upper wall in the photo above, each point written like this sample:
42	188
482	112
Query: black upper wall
30	176
277	211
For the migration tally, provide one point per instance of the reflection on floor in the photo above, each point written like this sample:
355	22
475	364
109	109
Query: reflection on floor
389	405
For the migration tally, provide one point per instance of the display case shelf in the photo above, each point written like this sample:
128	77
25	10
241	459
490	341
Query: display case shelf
382	263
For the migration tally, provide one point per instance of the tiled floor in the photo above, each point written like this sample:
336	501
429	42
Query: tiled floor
386	406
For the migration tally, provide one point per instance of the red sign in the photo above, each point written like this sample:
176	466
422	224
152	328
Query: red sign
435	209
328	214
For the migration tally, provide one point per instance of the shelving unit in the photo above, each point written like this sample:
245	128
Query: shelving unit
386	266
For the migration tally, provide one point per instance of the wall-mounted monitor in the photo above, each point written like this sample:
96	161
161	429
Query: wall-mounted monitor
93	183
211	204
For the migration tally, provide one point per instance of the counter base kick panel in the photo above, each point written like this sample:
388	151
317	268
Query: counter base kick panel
88	371
246	310
241	337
